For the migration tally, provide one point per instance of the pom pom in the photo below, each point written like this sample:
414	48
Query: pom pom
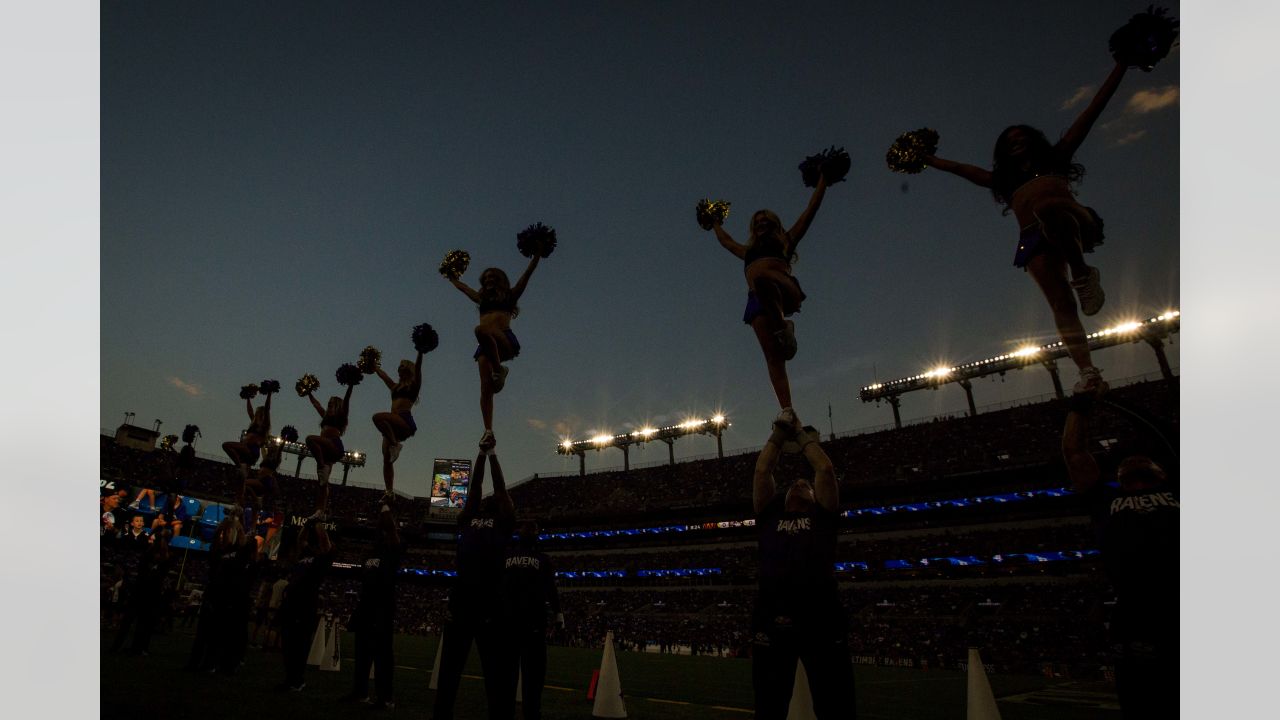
166	442
907	153
370	358
248	392
289	433
349	374
709	211
1145	40
307	384
189	433
425	338
455	264
832	163
270	387
537	239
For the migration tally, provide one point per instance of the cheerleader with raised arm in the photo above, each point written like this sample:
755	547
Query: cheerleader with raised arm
327	447
245	452
773	292
1034	178
398	425
496	300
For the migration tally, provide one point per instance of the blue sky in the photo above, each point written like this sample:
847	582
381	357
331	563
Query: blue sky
279	182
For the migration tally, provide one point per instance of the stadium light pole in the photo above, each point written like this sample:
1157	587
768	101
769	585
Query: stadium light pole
1157	345
968	393
1052	366
895	402
350	460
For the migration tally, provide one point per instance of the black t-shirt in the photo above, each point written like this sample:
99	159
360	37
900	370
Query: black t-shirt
151	574
229	575
797	564
134	543
1138	535
377	602
302	594
528	586
482	544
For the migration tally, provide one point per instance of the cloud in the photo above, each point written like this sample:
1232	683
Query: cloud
537	424
1131	137
1082	94
1146	101
563	429
189	388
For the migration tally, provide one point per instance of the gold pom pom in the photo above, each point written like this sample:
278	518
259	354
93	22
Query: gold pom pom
455	264
307	384
908	152
709	211
370	358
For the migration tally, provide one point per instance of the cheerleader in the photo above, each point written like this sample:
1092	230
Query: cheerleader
496	299
327	447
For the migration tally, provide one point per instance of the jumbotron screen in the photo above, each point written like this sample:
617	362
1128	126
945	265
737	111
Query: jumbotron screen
450	481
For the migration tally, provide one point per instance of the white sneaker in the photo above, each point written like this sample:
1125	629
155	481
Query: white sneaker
488	441
1089	291
787	419
393	451
499	379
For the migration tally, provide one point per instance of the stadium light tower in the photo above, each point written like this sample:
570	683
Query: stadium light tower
715	425
1153	331
350	459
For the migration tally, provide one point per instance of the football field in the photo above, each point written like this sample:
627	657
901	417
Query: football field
654	686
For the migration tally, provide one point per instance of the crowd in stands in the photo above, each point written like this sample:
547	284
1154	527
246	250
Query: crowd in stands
1025	616
930	451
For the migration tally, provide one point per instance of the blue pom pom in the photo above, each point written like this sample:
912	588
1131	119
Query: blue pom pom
425	338
248	392
269	386
189	433
289	433
349	374
1145	40
537	239
832	163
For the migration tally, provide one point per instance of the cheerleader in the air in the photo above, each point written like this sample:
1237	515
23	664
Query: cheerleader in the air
497	299
327	447
1033	178
773	292
245	452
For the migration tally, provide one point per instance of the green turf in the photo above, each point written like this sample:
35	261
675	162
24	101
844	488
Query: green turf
655	686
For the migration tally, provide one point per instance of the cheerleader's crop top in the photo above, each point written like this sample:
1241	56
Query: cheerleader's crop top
494	302
765	249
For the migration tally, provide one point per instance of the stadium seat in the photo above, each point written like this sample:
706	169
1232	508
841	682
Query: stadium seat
188	543
192	506
210	519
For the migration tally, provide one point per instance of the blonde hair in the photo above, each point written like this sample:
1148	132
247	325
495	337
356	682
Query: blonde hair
781	234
